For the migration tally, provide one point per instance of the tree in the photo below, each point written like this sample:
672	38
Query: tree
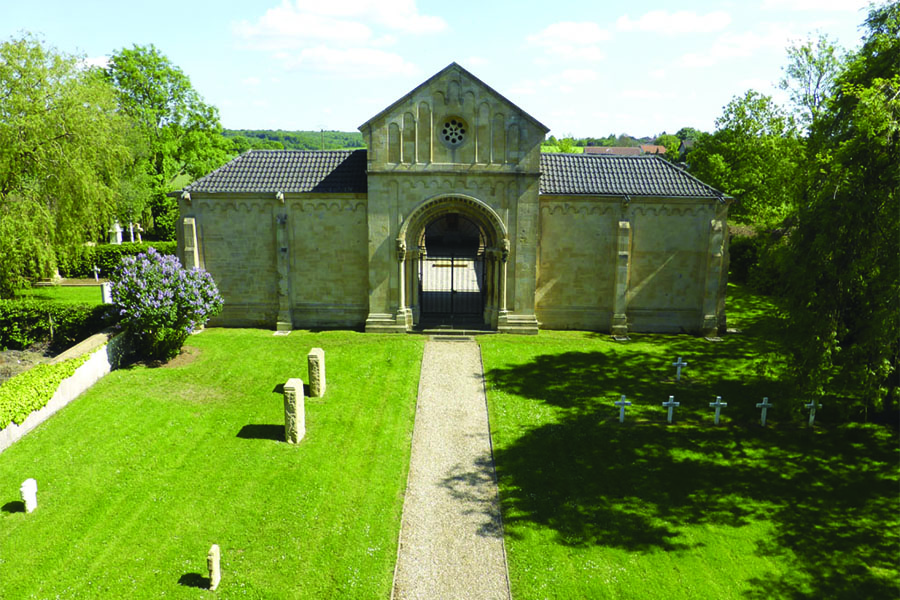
671	143
182	134
842	278
754	155
62	154
809	76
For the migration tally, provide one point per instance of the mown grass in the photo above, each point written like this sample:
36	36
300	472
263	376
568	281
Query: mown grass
139	477
598	509
73	294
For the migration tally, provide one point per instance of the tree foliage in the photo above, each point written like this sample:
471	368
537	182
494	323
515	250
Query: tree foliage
62	154
843	273
809	76
180	134
754	155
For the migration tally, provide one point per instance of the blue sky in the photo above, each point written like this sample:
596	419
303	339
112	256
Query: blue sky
582	68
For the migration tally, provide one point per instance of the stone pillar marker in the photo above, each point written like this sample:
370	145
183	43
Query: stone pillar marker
622	403
678	364
294	415
764	405
316	363
671	404
106	292
812	406
29	494
718	404
213	563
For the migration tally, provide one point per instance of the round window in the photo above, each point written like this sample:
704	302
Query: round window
453	131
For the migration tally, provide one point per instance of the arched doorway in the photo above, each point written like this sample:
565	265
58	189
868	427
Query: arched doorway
451	272
453	251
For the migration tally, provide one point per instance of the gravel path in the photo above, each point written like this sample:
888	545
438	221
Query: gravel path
451	539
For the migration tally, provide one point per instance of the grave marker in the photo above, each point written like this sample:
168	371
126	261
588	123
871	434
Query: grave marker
622	404
764	405
96	273
812	406
106	292
294	416
316	363
671	404
718	404
29	494
213	563
678	364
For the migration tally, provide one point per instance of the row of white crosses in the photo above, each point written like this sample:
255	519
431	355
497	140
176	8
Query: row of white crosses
765	405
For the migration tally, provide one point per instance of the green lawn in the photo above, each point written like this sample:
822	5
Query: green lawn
644	510
140	476
75	294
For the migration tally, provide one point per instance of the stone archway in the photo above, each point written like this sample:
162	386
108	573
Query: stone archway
492	253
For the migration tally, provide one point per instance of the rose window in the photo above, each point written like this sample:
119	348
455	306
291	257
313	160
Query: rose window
453	131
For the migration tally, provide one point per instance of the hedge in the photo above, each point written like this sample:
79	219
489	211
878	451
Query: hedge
26	322
107	257
33	389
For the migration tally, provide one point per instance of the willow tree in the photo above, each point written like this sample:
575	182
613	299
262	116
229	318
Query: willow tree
62	153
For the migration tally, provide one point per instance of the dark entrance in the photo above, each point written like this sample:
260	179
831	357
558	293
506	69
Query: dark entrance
451	274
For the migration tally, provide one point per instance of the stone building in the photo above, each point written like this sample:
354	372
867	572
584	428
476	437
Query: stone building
453	216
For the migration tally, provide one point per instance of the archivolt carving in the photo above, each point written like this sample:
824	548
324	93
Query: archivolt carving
493	226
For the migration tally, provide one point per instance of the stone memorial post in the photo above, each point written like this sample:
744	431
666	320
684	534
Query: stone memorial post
671	404
96	273
718	404
316	362
213	563
812	406
764	405
29	494
678	364
294	416
106	292
622	404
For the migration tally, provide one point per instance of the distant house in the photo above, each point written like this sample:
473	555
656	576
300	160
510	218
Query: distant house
613	150
685	147
653	149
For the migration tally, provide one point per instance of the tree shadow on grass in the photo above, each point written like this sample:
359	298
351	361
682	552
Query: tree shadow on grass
262	432
829	496
195	580
16	506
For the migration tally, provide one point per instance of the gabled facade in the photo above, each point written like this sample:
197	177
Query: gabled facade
453	217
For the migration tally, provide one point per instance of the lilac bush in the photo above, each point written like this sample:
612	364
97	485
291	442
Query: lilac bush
161	303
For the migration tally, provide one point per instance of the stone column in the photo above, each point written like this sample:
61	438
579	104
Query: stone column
294	412
623	270
191	258
285	321
504	262
315	362
714	274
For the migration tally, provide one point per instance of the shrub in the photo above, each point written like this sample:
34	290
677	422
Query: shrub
26	322
33	389
161	303
107	257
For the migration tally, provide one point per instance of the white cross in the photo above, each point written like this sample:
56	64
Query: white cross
764	405
96	273
718	404
671	404
622	404
678	364
812	406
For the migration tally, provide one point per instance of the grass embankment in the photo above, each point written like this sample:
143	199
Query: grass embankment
646	510
140	476
72	294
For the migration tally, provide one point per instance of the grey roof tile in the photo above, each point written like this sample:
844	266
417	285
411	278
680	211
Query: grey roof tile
270	171
602	175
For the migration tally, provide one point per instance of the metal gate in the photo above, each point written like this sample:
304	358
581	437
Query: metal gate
451	286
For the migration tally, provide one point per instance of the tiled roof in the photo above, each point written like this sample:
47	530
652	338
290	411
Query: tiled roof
597	174
613	150
329	171
344	171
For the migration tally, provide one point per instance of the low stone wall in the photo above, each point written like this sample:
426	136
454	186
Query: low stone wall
105	351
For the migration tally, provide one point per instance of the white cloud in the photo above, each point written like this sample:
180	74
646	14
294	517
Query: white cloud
251	81
571	41
95	61
743	45
816	5
677	23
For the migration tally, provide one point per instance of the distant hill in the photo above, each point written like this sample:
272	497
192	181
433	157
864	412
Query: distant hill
245	139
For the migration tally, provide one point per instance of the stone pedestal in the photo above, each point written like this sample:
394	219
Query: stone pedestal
213	560
29	494
294	411
316	363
